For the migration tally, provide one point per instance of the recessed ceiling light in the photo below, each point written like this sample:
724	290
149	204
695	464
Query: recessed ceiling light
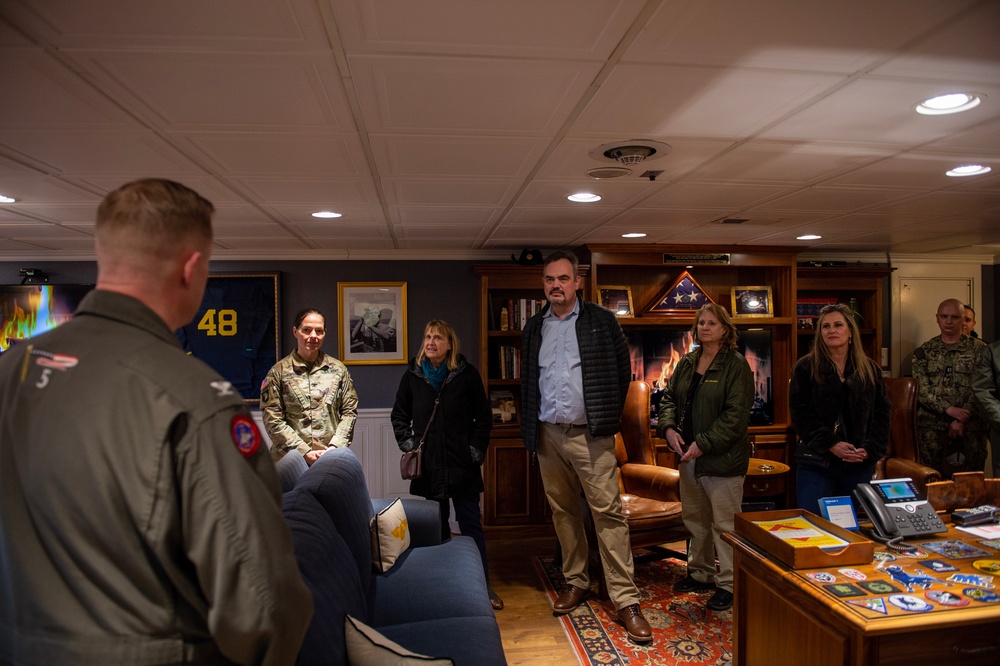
584	197
6	199
808	237
326	214
950	103
968	170
634	234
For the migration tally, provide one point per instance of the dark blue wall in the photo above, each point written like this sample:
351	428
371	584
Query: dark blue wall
435	290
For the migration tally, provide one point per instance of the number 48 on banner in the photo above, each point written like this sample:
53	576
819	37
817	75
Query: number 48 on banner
224	326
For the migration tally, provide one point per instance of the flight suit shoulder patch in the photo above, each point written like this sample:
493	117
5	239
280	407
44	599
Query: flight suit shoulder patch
245	435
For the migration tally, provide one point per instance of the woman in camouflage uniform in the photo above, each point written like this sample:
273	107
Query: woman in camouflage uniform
308	400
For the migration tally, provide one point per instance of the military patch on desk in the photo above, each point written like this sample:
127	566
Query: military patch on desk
984	596
991	543
946	598
938	566
245	434
908	602
852	573
879	587
845	590
822	577
985	582
988	566
883	556
955	550
876	604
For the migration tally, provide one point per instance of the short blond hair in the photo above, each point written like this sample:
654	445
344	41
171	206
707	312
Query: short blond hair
152	217
448	331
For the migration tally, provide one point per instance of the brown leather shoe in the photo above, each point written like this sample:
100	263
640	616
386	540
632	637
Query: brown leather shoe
495	599
571	597
635	623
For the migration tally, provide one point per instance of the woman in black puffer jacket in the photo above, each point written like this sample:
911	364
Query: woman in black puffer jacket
458	436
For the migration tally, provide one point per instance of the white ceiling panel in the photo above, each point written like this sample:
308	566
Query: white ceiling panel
458	127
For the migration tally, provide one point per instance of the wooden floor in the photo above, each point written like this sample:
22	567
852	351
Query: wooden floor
530	633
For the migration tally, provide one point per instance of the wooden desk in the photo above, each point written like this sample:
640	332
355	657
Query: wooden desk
780	616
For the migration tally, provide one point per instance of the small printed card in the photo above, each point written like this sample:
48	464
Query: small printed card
839	511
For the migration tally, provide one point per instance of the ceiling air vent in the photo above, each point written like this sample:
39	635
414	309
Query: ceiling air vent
630	152
604	173
733	220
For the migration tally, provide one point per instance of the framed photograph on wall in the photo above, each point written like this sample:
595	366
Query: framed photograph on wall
372	322
618	299
236	329
752	302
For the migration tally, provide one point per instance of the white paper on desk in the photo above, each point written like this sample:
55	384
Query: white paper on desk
984	531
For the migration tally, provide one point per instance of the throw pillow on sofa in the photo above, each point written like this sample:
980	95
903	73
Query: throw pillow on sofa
390	535
367	647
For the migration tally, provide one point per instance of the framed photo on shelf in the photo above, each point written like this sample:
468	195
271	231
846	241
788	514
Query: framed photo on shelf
372	322
618	299
235	330
504	407
683	296
752	302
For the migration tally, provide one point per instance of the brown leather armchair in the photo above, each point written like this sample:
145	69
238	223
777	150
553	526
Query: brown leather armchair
902	458
651	499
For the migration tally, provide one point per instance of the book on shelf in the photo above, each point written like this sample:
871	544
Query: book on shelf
504	407
509	362
519	311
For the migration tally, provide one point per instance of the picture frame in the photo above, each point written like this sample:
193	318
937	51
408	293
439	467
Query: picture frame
236	329
617	298
684	296
752	301
503	404
373	327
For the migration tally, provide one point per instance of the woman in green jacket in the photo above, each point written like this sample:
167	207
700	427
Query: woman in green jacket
704	415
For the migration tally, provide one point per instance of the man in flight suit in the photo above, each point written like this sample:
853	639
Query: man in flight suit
139	510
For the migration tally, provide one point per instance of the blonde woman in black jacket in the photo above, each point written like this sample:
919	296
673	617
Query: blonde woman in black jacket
840	411
458	436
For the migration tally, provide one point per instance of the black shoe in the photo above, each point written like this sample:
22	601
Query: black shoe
689	584
721	600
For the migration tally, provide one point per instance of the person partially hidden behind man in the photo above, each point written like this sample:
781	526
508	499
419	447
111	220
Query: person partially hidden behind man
951	437
139	508
575	373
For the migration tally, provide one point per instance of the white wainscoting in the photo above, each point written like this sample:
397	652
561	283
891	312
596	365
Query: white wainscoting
375	446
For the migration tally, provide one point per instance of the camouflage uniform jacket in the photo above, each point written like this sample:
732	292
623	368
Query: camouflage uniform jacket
308	406
944	378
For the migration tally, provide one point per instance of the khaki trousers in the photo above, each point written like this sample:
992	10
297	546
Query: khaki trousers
709	504
570	460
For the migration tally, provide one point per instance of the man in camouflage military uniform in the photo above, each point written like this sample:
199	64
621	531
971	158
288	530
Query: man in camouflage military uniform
951	438
986	390
308	401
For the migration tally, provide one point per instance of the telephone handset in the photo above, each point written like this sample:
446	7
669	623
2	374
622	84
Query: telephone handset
897	509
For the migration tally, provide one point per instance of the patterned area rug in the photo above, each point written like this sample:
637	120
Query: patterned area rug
684	631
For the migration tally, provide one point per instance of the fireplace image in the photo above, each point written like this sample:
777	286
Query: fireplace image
29	309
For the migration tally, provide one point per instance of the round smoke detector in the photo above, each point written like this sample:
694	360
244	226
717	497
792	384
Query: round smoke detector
606	173
630	152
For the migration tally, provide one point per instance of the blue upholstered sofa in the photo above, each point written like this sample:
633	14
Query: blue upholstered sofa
433	601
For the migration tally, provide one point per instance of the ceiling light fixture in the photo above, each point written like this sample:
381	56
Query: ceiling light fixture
326	214
584	197
968	170
634	234
605	173
950	103
808	237
6	199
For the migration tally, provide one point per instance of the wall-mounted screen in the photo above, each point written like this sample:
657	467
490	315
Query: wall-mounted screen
29	309
656	352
